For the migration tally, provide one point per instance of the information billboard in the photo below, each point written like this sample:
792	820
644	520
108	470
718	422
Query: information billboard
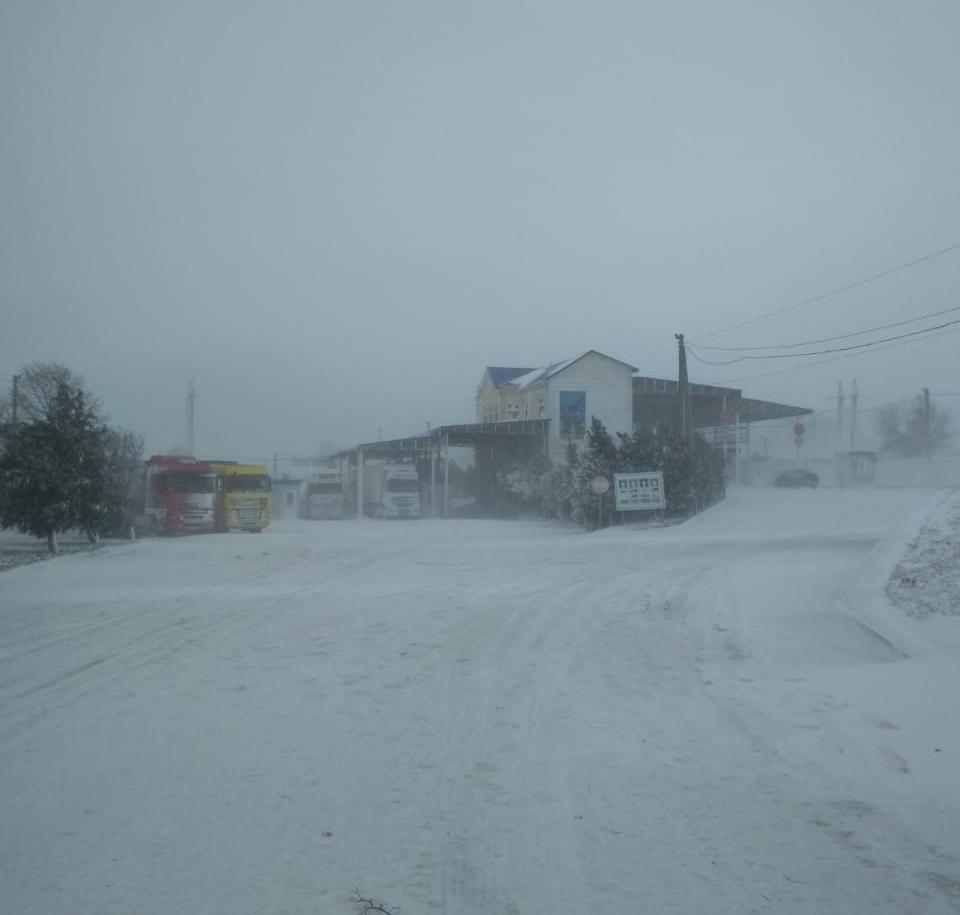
639	491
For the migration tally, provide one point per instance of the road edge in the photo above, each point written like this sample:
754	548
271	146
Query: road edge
865	598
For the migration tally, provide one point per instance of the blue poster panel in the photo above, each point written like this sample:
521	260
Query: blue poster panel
573	414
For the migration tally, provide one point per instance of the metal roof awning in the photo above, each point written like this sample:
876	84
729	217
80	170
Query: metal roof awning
643	384
462	435
712	397
752	411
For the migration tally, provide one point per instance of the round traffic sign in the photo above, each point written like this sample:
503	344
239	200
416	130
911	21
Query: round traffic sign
799	429
599	485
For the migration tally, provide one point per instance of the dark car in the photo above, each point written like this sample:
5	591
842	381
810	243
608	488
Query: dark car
797	478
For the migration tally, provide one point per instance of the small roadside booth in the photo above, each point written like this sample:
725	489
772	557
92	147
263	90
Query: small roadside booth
286	498
856	468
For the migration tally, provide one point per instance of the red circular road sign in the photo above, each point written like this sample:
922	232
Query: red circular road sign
799	429
600	485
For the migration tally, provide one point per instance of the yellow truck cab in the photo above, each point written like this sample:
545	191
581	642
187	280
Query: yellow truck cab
243	496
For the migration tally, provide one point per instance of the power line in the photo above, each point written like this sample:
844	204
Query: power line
837	349
856	333
808	365
837	291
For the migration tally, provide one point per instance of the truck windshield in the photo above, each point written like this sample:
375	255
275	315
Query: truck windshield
191	482
325	489
245	481
403	486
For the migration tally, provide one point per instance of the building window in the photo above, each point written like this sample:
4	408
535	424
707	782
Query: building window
573	414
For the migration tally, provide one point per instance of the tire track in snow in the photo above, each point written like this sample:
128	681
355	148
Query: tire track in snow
509	837
96	656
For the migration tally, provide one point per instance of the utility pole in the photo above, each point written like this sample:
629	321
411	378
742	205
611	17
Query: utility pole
433	480
191	397
839	414
16	397
927	432
737	464
853	414
359	482
686	413
446	475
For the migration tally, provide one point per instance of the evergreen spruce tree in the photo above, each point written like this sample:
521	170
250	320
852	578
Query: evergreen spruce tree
598	459
559	488
692	479
525	483
54	471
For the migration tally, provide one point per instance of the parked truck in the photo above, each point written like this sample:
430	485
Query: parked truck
173	494
323	495
391	490
243	496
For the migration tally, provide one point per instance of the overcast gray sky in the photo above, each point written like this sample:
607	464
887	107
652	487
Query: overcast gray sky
333	215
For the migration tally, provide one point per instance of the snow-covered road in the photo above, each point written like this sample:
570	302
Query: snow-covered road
474	717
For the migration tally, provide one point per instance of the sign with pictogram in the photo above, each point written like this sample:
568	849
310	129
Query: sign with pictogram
639	491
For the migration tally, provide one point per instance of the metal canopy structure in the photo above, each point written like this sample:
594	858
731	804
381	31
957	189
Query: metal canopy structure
464	435
494	445
721	416
655	403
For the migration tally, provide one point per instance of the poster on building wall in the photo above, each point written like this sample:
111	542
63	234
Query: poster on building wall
573	414
639	491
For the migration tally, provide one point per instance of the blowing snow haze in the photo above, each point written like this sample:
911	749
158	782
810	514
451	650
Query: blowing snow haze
333	216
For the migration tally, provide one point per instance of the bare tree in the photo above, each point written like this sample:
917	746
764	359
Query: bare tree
37	391
123	451
914	429
365	905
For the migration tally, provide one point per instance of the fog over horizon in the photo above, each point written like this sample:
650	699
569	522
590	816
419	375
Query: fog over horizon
334	216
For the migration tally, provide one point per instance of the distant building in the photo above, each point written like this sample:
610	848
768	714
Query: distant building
522	412
498	398
567	393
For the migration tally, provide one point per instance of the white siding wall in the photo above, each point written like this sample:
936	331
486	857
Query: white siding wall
285	500
488	399
941	472
608	386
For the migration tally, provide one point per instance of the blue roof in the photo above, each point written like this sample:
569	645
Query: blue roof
501	376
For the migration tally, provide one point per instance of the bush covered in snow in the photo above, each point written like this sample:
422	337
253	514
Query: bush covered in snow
926	582
693	478
523	482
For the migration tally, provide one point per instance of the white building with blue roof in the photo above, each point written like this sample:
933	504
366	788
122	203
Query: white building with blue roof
567	393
